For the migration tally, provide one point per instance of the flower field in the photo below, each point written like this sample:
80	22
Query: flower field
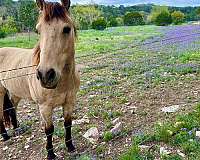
128	74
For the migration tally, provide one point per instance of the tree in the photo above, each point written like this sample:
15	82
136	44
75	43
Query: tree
28	14
85	15
157	10
198	11
120	21
163	19
178	17
7	8
113	22
133	19
99	24
9	26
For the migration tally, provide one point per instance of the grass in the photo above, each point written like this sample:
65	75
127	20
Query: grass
107	136
99	41
179	135
112	83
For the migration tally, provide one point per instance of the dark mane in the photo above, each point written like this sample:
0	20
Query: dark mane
56	10
52	10
36	55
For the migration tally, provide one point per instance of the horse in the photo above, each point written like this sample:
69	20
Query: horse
55	80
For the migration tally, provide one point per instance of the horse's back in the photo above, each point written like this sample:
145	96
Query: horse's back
8	51
12	76
11	57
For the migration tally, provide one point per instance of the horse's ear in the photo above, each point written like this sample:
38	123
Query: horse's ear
66	3
40	4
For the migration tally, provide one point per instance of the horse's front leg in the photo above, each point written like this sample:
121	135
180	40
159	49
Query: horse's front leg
46	113
67	109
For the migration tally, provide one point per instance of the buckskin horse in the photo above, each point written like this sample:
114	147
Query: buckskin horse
56	80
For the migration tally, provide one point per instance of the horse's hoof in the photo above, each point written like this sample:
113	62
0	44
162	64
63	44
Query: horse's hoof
5	137
71	148
51	156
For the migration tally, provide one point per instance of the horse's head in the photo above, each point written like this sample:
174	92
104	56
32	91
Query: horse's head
57	37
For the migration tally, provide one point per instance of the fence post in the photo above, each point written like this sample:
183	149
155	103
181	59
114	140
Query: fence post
29	34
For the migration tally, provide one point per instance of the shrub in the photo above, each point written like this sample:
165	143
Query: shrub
2	33
107	136
198	11
178	17
163	19
120	21
9	27
133	19
113	22
155	12
99	24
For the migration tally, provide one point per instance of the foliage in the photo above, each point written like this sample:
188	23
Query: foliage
134	153
180	134
99	24
84	16
25	14
2	33
3	11
163	19
107	136
198	11
133	19
178	17
10	26
156	10
113	22
120	21
28	14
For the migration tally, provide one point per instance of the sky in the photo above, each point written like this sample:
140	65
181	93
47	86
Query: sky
133	2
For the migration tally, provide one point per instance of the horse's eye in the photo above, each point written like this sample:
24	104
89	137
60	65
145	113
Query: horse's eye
66	30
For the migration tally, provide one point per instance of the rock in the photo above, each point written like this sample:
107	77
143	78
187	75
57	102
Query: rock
117	128
92	96
164	151
84	120
171	109
5	148
92	135
180	153
115	121
61	119
137	132
198	134
26	147
144	147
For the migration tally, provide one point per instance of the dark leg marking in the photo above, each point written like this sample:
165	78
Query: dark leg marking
68	135
10	111
3	132
49	133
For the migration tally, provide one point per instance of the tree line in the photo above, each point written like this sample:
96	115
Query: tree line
21	15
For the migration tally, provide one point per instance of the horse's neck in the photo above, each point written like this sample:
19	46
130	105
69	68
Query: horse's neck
69	69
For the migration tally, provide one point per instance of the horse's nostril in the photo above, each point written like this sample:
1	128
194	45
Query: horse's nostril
51	75
39	75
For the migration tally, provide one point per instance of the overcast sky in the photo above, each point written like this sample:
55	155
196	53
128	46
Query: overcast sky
132	2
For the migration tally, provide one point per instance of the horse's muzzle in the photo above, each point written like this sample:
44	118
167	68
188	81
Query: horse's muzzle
47	79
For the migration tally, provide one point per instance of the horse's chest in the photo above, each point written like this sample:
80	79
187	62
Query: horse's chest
58	100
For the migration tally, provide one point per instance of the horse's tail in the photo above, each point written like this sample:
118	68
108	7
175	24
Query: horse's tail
7	109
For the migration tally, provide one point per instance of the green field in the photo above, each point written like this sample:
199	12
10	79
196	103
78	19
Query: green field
120	78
